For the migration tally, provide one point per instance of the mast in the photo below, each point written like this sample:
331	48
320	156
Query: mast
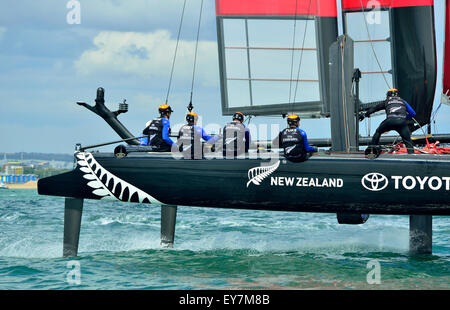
344	136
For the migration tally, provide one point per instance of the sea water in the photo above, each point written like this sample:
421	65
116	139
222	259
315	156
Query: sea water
214	249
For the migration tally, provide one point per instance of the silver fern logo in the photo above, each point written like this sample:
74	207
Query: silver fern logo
258	174
108	186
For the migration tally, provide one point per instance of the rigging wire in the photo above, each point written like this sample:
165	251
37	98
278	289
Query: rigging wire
176	49
301	55
435	112
292	56
190	106
372	47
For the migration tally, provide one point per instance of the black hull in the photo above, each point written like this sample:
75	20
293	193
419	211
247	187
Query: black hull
325	183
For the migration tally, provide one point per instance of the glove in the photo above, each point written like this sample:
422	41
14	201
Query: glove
361	117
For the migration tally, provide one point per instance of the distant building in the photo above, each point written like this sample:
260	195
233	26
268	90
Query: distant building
12	179
13	168
13	173
42	165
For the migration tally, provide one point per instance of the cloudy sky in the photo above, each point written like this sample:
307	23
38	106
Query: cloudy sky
126	47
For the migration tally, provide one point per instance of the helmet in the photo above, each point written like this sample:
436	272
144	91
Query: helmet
239	116
392	92
164	109
293	119
191	117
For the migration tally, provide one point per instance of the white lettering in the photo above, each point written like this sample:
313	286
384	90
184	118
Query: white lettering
430	183
422	181
305	181
74	275
396	179
191	300
74	15
413	182
289	181
273	181
374	16
447	182
374	275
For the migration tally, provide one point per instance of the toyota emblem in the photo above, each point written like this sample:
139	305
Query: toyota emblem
374	181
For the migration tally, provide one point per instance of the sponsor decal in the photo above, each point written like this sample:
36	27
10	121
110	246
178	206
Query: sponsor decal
375	181
422	183
392	110
306	182
258	174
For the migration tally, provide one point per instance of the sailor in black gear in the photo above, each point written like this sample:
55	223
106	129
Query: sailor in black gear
398	112
190	136
294	141
236	137
158	131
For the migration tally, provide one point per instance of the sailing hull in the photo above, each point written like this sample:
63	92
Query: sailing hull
346	183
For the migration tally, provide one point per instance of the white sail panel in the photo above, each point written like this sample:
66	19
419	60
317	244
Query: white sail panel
372	52
265	65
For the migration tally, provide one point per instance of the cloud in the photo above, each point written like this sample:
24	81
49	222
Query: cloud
2	32
149	56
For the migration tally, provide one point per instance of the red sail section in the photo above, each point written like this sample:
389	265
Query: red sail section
370	4
446	82
322	8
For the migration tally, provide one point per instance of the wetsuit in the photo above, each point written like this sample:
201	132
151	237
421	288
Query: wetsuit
189	141
158	135
236	139
398	111
295	144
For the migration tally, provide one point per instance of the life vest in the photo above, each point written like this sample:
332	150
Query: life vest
395	107
154	132
233	139
190	142
291	140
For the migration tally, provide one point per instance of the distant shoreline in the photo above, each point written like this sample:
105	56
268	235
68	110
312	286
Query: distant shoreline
28	185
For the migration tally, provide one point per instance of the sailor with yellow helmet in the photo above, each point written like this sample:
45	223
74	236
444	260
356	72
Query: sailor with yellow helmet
189	138
294	141
398	112
158	131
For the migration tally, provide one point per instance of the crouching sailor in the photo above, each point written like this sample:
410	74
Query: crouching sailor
398	111
190	136
236	137
294	141
158	131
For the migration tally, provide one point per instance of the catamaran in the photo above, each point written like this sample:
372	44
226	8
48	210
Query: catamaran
281	57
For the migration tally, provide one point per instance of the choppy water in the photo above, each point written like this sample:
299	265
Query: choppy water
214	249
